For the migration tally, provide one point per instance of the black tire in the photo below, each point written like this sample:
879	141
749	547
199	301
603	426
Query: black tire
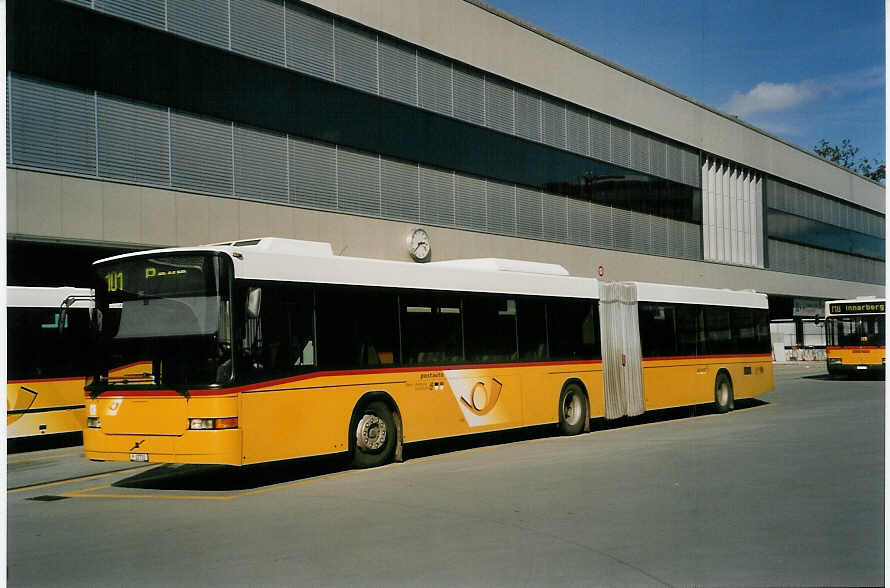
369	450
723	398
572	409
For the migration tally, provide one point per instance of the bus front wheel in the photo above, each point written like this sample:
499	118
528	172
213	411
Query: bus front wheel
374	437
723	399
572	409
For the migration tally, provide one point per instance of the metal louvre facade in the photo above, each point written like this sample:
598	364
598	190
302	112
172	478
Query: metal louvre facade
209	156
419	137
308	40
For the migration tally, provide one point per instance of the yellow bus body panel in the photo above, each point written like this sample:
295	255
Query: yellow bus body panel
55	404
681	382
310	415
854	356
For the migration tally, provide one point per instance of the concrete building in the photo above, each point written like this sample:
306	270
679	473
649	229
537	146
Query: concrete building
144	123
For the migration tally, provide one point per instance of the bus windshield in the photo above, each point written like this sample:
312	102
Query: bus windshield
854	331
173	327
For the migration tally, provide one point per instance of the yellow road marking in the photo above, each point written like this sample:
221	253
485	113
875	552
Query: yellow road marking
44	458
82	490
287	485
153	496
85	492
75	480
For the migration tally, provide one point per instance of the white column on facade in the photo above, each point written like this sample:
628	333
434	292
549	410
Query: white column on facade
752	223
731	222
706	208
749	233
758	222
740	214
718	211
746	219
727	214
712	220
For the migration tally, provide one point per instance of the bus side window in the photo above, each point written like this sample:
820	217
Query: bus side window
573	326
431	329
743	330
690	333
281	339
761	326
301	331
532	329
38	350
657	329
358	327
719	332
490	327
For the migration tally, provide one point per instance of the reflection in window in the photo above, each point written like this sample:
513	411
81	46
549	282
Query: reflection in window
431	329
573	327
490	323
281	340
657	329
532	329
357	327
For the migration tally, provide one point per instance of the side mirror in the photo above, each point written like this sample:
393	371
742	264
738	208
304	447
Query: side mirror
254	302
66	304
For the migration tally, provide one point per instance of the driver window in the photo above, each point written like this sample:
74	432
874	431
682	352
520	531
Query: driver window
280	339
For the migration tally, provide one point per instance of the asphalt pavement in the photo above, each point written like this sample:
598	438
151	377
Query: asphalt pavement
785	490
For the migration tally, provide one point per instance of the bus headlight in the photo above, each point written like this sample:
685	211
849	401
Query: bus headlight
204	424
834	360
93	423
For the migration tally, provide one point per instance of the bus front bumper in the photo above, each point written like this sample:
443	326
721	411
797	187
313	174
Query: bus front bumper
853	369
198	447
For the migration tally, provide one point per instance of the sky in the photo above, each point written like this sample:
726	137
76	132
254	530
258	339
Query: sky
800	70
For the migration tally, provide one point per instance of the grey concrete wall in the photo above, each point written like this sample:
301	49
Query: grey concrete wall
474	35
50	207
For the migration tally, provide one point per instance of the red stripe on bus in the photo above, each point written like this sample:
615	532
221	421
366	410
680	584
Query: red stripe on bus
841	348
320	374
64	379
707	357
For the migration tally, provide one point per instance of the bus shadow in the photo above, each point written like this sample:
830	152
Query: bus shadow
233	478
670	414
221	478
873	377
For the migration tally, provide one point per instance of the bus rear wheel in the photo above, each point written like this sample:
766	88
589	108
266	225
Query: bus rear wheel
374	436
723	400
572	409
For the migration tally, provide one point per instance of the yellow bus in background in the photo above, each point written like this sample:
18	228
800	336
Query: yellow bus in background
854	336
46	366
270	349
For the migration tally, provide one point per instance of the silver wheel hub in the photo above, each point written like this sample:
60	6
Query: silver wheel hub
370	435
571	409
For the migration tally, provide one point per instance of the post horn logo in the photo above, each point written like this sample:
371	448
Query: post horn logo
482	400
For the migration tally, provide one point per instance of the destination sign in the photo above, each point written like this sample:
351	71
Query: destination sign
857	308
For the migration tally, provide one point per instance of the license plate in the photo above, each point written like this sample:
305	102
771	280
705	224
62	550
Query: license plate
138	457
861	367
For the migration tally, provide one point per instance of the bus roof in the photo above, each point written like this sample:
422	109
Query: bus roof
273	258
39	297
694	295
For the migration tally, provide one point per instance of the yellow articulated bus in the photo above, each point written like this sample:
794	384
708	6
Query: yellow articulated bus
272	349
854	336
46	366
